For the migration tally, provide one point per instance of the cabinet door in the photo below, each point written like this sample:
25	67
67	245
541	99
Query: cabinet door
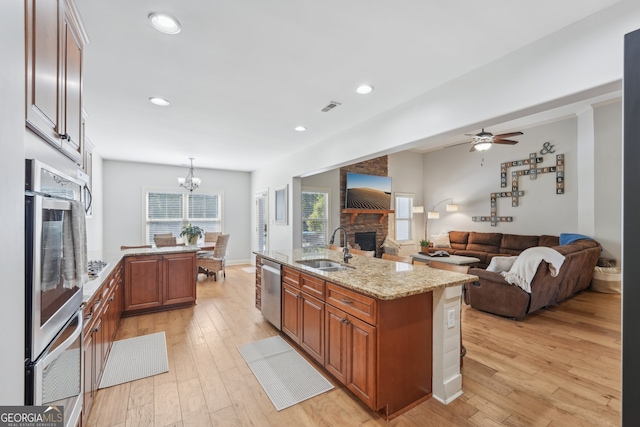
71	120
179	278
291	312
336	343
42	53
143	278
312	327
99	343
89	372
361	367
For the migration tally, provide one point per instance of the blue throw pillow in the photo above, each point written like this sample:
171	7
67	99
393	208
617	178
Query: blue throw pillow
566	238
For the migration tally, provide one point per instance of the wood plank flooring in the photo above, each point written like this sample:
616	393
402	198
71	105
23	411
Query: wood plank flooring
559	367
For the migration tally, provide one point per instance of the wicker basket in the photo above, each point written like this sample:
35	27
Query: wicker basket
607	280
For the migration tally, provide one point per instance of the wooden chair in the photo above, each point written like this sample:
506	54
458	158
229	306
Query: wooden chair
458	269
212	264
336	248
398	258
123	247
211	236
361	252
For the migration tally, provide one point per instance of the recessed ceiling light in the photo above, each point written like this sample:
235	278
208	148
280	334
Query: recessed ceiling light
159	101
364	89
300	128
164	23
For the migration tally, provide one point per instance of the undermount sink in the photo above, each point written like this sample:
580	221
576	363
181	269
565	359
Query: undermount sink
324	265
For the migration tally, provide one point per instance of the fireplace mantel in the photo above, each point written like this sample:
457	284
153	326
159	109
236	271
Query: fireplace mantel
355	212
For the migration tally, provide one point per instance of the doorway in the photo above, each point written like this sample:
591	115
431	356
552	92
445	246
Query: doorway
262	219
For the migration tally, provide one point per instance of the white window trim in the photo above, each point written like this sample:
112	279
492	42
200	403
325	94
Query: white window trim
411	220
185	209
319	190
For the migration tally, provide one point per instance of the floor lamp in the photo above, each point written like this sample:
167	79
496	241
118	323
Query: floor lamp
433	214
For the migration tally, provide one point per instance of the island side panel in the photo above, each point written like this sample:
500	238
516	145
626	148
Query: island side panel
404	352
447	380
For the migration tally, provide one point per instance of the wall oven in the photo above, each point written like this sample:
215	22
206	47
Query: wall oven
55	271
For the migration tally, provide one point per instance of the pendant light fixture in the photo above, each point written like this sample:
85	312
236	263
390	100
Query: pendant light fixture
190	182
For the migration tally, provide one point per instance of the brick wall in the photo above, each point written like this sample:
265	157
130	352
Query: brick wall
364	222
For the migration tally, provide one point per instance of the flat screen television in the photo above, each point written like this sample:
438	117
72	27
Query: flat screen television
368	191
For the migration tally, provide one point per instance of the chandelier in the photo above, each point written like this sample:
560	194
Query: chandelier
190	182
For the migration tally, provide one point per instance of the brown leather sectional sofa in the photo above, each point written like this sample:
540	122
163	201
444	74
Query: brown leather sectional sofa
493	294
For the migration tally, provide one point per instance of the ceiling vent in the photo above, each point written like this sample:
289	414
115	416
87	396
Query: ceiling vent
331	106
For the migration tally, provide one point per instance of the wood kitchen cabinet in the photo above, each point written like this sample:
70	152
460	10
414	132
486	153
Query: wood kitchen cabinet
381	350
302	313
159	282
55	39
101	318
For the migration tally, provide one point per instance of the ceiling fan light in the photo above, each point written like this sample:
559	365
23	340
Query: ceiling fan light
482	146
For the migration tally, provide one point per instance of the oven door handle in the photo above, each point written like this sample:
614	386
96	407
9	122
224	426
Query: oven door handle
63	347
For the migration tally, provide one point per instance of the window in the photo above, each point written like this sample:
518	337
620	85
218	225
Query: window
404	217
315	218
168	212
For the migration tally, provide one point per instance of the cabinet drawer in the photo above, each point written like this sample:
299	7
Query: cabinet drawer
313	286
361	306
291	276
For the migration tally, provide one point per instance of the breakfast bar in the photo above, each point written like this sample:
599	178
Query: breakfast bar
389	331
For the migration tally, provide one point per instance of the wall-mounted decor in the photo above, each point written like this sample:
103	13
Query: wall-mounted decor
281	205
532	171
368	191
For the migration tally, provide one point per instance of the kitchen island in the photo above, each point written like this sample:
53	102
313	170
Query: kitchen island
389	331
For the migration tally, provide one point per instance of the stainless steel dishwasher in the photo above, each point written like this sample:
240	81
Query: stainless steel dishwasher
271	293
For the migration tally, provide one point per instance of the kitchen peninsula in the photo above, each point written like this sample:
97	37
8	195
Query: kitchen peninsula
389	331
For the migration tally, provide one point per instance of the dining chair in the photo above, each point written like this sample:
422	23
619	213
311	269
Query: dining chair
458	269
166	241
361	252
212	263
398	258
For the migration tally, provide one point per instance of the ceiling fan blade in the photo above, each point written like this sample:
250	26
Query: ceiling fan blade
505	141
507	135
473	148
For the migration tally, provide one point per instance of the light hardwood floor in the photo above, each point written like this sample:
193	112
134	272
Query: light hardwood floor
558	367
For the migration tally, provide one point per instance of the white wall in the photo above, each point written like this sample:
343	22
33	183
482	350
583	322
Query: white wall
124	184
12	81
608	179
546	74
405	170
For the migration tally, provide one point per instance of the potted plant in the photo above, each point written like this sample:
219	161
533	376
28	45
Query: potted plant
424	246
192	233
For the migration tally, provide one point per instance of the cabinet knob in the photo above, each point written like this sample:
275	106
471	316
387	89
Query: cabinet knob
96	329
346	301
65	136
345	321
111	299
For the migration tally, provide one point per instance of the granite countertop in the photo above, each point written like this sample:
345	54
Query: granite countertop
113	258
375	277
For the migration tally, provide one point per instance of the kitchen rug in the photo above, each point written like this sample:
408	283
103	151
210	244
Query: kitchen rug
134	358
285	376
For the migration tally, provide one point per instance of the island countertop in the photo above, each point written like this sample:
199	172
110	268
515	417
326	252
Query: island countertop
114	257
379	278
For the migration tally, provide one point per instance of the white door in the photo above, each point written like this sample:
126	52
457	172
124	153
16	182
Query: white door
262	219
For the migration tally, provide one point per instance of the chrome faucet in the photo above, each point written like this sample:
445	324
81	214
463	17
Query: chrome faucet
345	251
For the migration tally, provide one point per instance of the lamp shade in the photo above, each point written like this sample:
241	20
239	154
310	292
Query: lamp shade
433	215
418	209
451	208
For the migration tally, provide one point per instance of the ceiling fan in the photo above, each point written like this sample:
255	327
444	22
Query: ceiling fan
482	141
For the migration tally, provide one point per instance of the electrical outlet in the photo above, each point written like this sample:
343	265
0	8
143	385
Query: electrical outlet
451	318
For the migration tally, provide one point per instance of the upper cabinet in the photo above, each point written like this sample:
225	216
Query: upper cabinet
55	38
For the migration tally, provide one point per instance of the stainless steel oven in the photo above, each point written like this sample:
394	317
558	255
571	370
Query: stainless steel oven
55	271
55	378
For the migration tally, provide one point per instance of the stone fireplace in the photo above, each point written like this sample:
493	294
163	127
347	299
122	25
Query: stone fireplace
365	223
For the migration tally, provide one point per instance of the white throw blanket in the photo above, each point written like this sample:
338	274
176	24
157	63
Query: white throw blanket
525	267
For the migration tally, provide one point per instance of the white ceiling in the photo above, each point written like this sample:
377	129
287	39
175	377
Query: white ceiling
243	73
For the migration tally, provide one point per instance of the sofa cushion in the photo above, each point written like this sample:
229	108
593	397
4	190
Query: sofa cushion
482	256
548	240
515	243
499	264
441	241
484	242
459	239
